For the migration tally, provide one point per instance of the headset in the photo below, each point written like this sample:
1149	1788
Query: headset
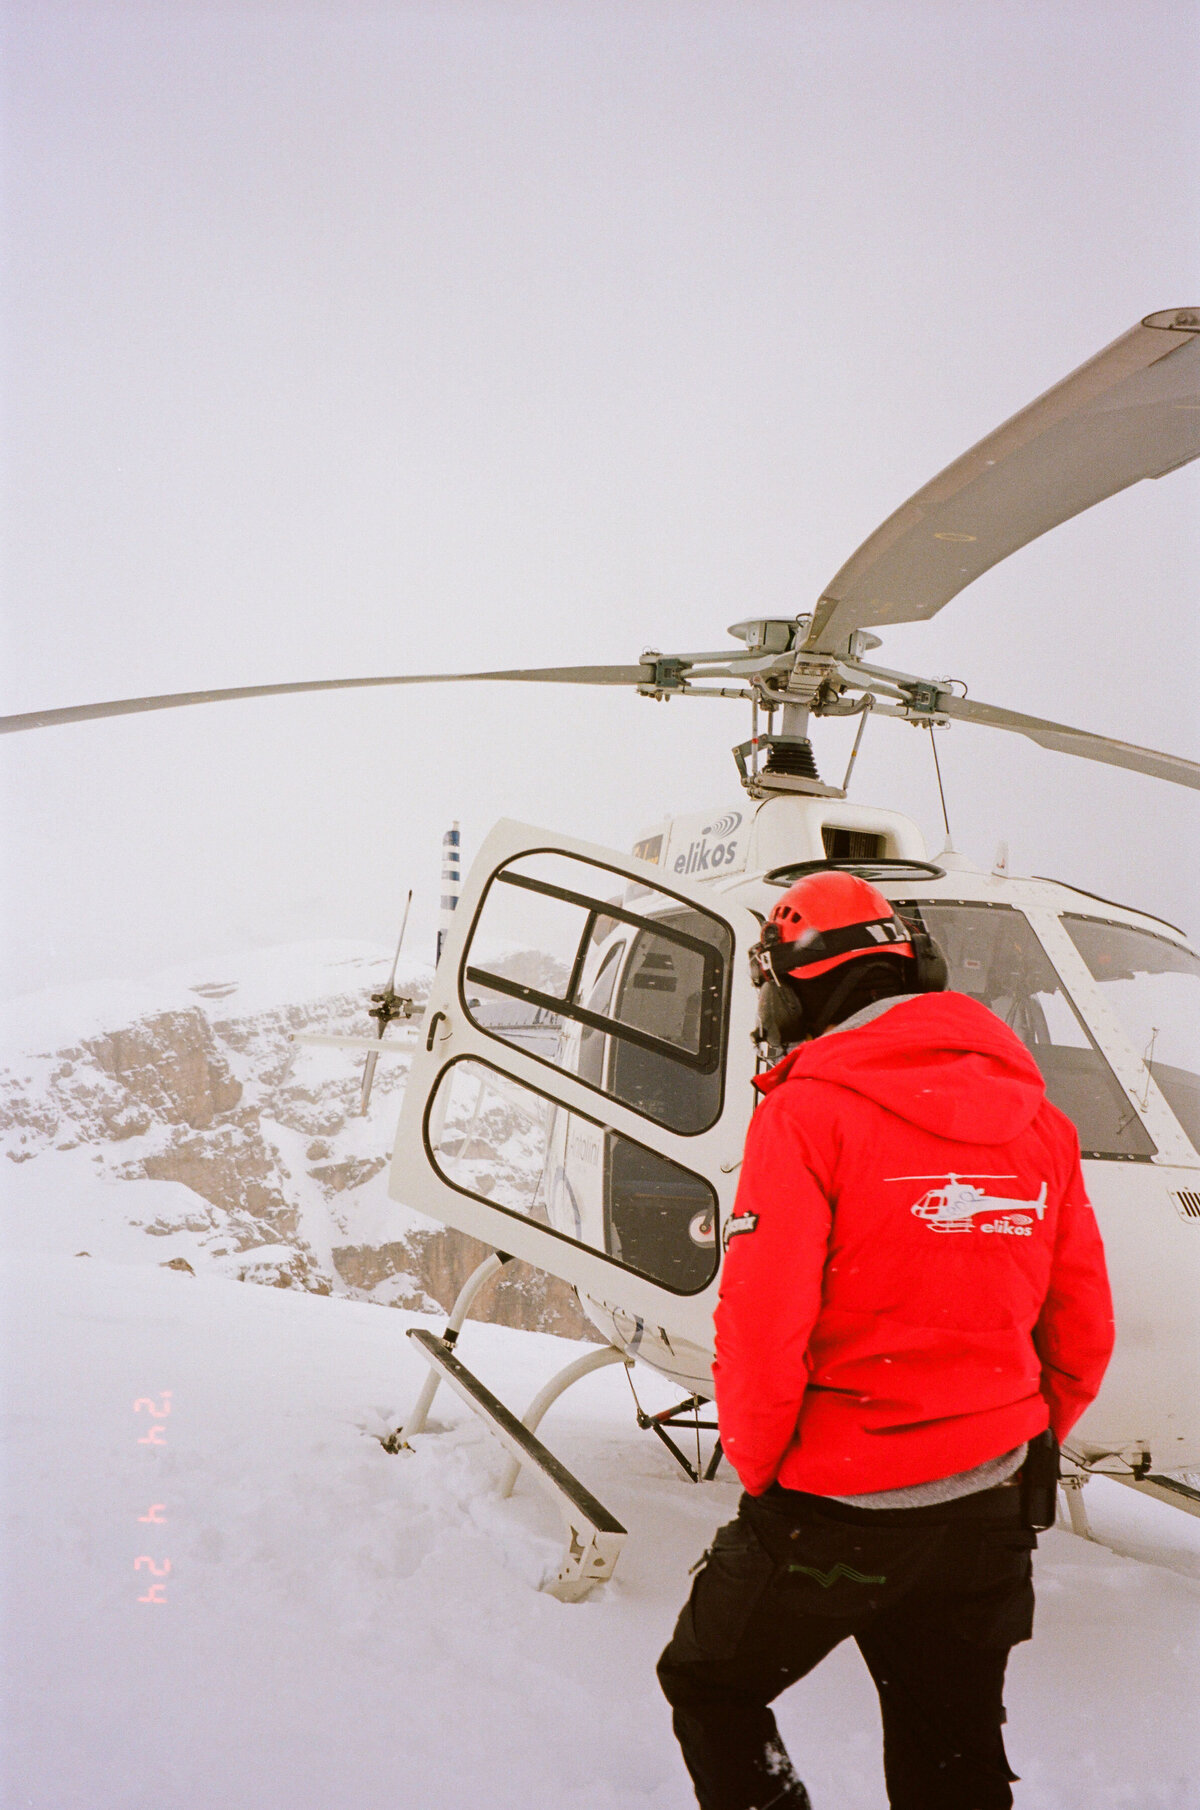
795	1013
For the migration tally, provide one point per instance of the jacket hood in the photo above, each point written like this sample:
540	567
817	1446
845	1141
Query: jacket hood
942	1062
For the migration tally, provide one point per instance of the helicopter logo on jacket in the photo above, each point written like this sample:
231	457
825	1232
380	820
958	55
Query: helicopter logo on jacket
954	1204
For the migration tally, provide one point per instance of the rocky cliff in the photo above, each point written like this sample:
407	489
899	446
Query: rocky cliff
281	1180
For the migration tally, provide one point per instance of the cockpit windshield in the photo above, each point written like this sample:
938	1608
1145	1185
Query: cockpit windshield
1154	988
994	956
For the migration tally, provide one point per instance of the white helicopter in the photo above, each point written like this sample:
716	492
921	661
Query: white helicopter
580	1088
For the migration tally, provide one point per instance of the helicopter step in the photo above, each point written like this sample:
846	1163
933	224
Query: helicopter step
594	1536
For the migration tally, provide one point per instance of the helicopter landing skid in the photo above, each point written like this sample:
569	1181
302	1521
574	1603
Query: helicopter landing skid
1164	1489
594	1536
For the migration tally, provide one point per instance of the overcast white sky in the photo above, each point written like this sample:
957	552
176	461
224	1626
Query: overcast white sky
352	338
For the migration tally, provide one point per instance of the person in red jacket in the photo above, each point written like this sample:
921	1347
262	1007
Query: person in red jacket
913	1309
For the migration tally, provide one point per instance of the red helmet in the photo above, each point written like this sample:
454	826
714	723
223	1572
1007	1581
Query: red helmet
829	918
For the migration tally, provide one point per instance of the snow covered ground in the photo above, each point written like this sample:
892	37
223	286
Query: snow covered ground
257	1608
344	1630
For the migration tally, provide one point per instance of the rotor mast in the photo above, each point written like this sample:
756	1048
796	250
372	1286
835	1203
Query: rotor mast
797	685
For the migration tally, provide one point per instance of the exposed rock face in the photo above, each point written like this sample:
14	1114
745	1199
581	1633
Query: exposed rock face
270	1146
168	1068
440	1262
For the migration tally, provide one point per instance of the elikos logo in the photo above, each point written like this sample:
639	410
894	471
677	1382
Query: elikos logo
715	847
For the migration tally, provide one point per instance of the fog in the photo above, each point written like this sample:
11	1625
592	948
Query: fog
348	339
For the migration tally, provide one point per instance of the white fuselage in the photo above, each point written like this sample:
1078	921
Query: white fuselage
581	1095
1150	1401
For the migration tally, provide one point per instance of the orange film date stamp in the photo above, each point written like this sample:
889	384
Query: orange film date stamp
156	1515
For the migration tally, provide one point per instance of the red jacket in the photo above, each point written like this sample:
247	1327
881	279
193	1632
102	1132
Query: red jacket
886	1316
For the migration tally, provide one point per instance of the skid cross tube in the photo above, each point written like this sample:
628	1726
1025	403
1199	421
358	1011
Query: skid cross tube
532	1417
672	1417
594	1536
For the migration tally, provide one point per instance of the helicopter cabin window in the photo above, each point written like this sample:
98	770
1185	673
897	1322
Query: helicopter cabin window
661	992
1153	986
631	1001
490	1136
994	956
593	1042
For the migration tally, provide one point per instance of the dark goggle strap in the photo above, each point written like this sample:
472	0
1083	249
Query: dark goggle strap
820	946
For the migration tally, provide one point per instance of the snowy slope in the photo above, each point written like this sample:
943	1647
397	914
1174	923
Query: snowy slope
344	1630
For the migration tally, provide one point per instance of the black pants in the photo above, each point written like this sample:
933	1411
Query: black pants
935	1598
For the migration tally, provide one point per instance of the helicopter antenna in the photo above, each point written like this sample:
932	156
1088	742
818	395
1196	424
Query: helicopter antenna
386	1006
451	883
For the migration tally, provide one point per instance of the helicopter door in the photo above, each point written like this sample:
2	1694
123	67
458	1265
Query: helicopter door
573	1101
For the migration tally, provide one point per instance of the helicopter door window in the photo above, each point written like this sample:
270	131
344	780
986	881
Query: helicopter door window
593	1042
662	992
1154	988
631	1002
493	1138
994	956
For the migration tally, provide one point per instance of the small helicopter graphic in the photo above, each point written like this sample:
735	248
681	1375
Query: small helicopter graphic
953	1206
580	1088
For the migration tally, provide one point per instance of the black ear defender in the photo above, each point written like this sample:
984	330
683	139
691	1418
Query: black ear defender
932	974
771	959
781	1020
787	1017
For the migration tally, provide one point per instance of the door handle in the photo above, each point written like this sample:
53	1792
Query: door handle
433	1025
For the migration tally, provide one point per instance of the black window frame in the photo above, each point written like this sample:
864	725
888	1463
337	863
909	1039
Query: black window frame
712	1053
606	1133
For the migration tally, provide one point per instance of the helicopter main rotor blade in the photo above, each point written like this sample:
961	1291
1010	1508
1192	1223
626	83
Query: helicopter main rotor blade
1131	412
549	675
1071	741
